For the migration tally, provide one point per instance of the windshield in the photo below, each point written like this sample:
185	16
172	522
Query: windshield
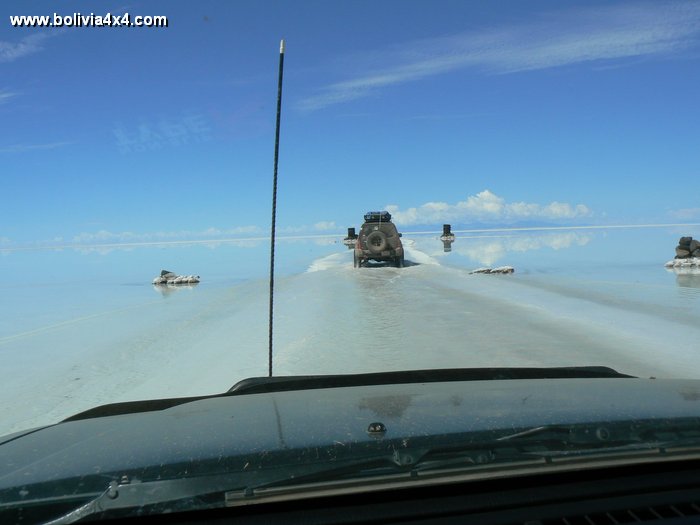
520	183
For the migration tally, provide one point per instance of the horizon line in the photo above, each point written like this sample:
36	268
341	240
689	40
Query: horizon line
77	246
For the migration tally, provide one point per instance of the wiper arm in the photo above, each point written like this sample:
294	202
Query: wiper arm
202	492
88	509
151	497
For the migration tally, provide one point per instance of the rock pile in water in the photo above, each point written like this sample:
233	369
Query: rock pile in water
168	277
687	247
687	254
500	269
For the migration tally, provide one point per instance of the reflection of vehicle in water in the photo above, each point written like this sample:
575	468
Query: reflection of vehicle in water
378	240
447	237
470	445
351	239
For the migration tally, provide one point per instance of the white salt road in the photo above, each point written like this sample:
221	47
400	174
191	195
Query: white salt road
427	315
335	319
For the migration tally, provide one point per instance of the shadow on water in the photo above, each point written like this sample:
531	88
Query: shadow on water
388	264
167	289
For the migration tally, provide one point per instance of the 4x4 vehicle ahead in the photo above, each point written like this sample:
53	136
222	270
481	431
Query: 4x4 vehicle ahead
378	241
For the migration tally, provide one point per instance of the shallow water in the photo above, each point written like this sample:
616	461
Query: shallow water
79	329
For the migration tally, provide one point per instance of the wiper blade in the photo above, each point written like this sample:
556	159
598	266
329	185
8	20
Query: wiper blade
479	458
651	430
130	497
397	461
537	445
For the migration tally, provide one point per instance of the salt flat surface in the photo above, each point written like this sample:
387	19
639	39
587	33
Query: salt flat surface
67	346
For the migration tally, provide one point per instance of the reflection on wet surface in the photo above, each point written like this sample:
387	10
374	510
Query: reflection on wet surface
690	394
386	406
688	280
167	289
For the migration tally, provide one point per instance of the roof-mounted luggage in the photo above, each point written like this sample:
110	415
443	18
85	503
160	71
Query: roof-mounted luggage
377	216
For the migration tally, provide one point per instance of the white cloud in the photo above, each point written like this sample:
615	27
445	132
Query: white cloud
105	236
22	148
685	214
6	95
292	230
485	206
212	236
11	51
562	38
321	226
325	226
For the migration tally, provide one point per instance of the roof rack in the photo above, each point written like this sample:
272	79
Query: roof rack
377	216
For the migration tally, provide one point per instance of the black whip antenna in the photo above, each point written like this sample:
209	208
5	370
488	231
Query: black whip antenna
274	203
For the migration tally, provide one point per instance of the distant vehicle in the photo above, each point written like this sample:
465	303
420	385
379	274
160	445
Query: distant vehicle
379	240
351	239
447	237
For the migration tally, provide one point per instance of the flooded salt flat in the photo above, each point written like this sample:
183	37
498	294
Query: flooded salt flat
93	330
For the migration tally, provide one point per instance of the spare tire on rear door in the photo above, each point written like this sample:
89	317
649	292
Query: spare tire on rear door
376	242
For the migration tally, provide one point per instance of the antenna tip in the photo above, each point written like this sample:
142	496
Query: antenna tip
282	46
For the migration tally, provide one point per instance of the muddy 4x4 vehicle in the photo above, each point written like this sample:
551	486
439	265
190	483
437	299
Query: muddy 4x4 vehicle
378	241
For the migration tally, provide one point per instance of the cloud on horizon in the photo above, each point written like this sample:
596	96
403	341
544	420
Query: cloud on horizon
104	241
105	236
490	251
488	207
325	226
561	38
686	214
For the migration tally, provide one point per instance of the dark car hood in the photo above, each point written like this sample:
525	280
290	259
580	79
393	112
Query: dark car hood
178	439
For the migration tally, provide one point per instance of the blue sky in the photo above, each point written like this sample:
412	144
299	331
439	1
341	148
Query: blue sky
475	113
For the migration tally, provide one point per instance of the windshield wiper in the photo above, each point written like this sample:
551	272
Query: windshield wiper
123	498
399	460
538	444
